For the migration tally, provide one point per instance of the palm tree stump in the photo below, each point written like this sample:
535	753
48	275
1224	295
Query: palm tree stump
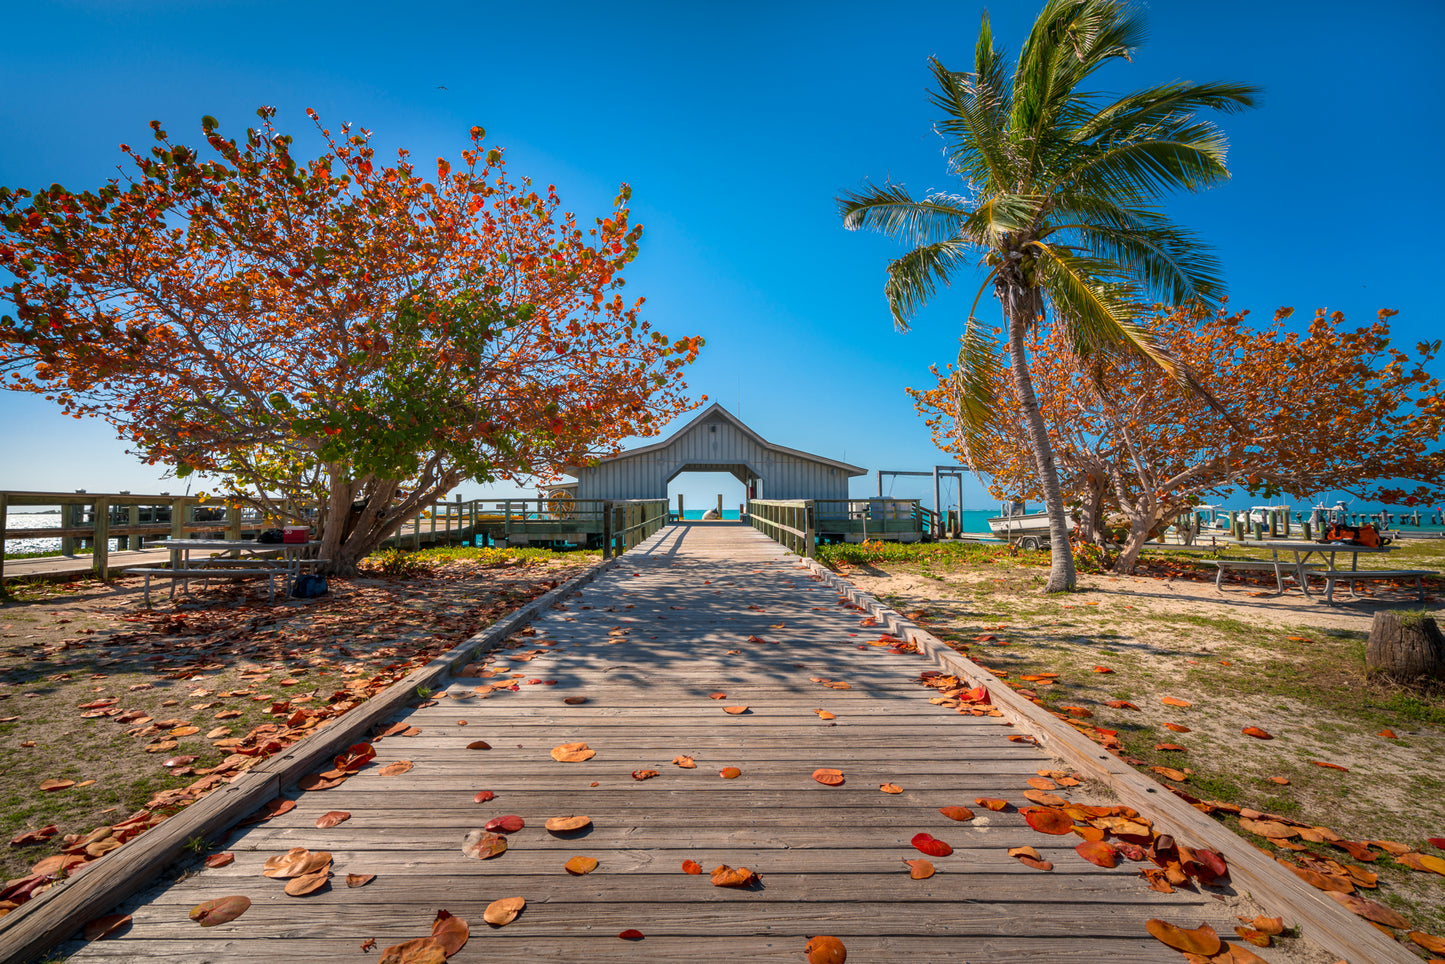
1405	646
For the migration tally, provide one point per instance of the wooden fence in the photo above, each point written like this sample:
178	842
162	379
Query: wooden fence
787	521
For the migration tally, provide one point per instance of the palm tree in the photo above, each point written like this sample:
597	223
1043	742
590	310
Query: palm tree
1061	205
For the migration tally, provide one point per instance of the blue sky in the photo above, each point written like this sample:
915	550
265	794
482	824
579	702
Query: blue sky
737	125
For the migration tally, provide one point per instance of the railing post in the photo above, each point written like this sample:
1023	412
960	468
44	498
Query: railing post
179	509
133	519
810	529
100	551
606	530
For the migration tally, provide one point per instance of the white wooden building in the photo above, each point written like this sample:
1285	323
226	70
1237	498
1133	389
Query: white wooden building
715	441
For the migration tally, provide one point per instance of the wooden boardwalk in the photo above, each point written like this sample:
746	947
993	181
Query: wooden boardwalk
646	644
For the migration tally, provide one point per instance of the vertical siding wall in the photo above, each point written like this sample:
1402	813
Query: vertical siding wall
715	444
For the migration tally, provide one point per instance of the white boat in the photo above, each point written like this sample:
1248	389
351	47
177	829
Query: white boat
1016	524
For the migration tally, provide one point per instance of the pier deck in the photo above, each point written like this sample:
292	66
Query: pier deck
647	643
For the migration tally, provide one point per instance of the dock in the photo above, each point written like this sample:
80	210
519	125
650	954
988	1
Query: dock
695	620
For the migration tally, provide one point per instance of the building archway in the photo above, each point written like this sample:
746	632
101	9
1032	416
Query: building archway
701	487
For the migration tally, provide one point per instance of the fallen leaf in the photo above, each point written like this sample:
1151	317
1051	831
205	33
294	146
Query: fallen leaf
956	813
50	786
1171	773
726	876
631	934
317	781
1170	747
1257	733
578	866
1282	781
572	753
1174	701
1431	943
1098	852
730	773
419	950
825	950
1251	936
829	777
483	845
1030	857
355	757
109	924
567	824
717	696
991	803
1203	940
502	912
1121	705
1048	820
209	913
1273	926
735	710
483	796
331	818
308	883
395	769
686	762
215	861
1369	910
919	869
691	867
479	745
509	823
1177	728
825	715
296	862
890	788
1331	766
1428	863
359	880
926	843
574	700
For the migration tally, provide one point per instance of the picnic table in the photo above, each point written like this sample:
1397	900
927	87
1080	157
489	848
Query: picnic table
1300	567
232	558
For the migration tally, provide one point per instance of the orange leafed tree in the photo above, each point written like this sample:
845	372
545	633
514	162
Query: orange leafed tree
1324	410
331	330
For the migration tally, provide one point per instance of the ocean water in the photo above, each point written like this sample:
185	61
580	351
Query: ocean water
698	514
32	520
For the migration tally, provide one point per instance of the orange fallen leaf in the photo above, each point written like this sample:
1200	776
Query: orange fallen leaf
1203	940
1388	734
890	788
919	869
956	813
209	913
1121	705
1257	733
1369	909
395	769
691	867
418	950
991	803
359	880
1177	728
735	710
825	715
717	696
1282	781
730	773
1175	701
829	777
296	862
572	753
1428	863
686	762
308	883
220	860
1170	747
479	745
1331	766
502	912
1252	936
825	950
1098	852
1431	943
567	824
331	818
1048	820
1030	857
578	866
726	876
1273	926
483	845
50	786
450	931
1170	773
644	774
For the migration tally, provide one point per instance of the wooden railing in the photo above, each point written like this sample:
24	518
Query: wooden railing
787	521
628	523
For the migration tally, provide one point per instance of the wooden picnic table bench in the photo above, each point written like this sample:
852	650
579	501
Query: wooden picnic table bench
1279	567
1351	576
269	559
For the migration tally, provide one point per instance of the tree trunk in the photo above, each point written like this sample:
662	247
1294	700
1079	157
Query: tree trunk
1405	648
1019	305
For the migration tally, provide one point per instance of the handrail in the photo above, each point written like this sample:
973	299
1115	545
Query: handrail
627	522
789	522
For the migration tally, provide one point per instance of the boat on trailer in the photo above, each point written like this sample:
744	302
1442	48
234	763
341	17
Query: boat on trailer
1029	530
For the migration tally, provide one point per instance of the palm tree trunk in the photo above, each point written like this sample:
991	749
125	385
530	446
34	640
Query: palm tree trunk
1018	303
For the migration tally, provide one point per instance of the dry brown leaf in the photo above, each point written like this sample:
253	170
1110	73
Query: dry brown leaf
1203	940
572	753
578	866
1369	909
105	926
296	862
686	762
220	860
308	883
717	696
331	818
574	700
420	950
359	880
450	931
483	845
209	913
919	869
1429	863
479	745
395	769
502	912
50	786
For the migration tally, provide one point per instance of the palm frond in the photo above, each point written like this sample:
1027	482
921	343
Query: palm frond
915	277
1167	260
1155	104
891	210
1189	158
978	371
1094	307
974	110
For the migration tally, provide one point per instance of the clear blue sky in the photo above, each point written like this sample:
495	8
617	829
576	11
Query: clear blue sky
737	125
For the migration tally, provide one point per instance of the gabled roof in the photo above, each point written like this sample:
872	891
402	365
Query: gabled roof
716	409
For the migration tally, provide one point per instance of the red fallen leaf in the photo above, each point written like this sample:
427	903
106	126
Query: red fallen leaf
574	700
368	944
927	844
34	836
357	756
483	796
1388	734
479	745
1369	910
273	808
1170	747
220	860
1121	705
510	823
644	774
209	913
730	773
956	813
1257	733
825	950
919	869
1436	842
1203	940
1175	701
319	781
991	803
631	934
1098	852
691	867
104	926
1048	820
1102	669
1206	866
829	777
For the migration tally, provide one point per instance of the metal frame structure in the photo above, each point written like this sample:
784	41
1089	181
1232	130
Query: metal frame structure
938	472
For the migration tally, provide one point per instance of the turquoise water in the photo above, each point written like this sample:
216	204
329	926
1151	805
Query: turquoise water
698	513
